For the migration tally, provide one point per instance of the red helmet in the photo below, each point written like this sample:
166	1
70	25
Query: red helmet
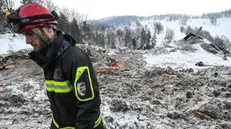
30	16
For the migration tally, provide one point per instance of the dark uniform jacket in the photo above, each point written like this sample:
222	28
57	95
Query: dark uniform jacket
71	84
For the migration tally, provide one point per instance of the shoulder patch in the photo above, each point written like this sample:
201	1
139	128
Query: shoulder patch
83	87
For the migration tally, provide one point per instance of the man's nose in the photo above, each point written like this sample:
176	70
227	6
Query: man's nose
28	39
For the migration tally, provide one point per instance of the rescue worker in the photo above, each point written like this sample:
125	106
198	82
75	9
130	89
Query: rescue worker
71	83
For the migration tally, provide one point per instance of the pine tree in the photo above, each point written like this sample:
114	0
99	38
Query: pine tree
63	23
158	27
75	32
86	31
142	39
127	37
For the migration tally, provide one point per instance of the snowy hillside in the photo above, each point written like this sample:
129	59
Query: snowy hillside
221	29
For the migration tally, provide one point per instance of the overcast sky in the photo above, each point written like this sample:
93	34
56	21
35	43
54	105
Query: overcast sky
97	9
103	8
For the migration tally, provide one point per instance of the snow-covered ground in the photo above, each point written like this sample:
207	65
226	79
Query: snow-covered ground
186	59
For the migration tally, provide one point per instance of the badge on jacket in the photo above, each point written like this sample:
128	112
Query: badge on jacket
81	87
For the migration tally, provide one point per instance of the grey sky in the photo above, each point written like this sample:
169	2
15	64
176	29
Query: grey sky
103	8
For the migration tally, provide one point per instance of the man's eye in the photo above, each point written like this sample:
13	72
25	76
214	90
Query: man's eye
29	33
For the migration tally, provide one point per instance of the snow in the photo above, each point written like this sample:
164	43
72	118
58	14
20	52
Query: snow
10	43
185	59
111	52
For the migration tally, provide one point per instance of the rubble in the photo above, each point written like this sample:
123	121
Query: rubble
138	98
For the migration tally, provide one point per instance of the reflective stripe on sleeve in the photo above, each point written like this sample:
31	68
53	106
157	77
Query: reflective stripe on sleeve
58	87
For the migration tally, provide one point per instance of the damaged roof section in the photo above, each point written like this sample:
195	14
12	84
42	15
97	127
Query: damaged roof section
194	38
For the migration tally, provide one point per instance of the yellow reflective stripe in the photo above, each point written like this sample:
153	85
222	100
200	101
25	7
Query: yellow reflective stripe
56	125
76	44
58	87
98	121
79	72
57	82
68	127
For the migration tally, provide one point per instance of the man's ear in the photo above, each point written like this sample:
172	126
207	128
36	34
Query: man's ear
48	31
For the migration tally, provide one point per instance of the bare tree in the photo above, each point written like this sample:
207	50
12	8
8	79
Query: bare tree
127	37
80	18
74	30
148	37
142	39
220	41
67	13
85	31
189	30
40	1
182	29
101	40
32	1
153	41
50	5
133	44
119	34
2	9
158	27
98	31
213	20
111	39
10	4
169	35
5	5
63	23
47	3
25	1
183	20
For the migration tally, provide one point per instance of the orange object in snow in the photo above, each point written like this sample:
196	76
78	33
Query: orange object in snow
3	66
